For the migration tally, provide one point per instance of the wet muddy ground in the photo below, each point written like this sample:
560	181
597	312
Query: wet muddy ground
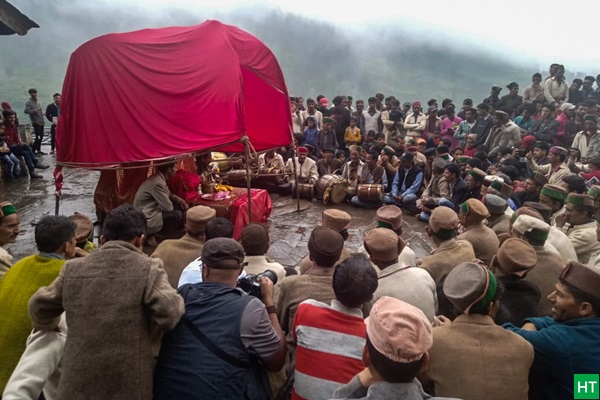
289	229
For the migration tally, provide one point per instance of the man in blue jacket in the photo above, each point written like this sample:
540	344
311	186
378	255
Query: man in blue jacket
406	186
567	343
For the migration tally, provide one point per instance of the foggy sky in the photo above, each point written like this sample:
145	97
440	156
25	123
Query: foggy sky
528	31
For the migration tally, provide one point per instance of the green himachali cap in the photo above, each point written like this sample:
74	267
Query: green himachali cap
554	192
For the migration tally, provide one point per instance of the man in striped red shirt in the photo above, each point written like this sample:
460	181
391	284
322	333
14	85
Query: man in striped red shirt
330	338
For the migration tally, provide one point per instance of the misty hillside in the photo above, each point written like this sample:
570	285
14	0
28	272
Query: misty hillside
315	57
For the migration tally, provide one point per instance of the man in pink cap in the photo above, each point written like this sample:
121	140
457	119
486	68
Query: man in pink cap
398	338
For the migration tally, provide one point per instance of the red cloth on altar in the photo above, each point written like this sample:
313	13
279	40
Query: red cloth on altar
236	208
169	91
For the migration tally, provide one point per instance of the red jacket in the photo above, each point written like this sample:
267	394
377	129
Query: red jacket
12	136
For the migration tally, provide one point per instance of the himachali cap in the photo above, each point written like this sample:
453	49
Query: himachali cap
327	120
487	181
83	227
462	159
302	150
7	208
567	106
412	149
500	114
540	179
474	207
398	330
477	174
324	102
255	236
580	199
328	150
222	253
526	211
497	88
407	157
515	257
503	188
495	204
443	218
532	227
583	278
554	192
544	210
383	244
421	140
512	85
429	152
197	217
389	217
336	219
325	245
561	151
589	117
594	192
439	163
389	151
470	286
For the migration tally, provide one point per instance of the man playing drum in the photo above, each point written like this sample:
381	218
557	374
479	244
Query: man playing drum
306	169
372	184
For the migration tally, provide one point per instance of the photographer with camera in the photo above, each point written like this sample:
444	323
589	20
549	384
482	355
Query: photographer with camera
226	340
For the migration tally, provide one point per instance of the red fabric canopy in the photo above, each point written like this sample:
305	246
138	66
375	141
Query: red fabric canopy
157	93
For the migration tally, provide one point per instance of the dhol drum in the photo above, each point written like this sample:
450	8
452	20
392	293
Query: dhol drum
269	174
221	160
237	177
332	188
305	190
371	192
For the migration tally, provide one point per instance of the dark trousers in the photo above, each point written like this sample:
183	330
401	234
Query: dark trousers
52	137
173	219
38	130
25	151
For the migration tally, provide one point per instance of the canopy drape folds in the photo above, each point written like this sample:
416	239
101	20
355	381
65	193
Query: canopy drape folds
157	93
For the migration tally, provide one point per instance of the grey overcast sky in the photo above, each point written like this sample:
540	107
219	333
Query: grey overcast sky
534	32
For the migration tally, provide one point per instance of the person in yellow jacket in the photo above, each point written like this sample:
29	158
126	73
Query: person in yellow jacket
55	240
352	135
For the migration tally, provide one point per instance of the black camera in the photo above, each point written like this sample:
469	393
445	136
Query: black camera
250	284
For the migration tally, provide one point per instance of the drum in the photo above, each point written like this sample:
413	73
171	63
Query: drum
306	190
274	172
221	160
370	192
237	177
332	188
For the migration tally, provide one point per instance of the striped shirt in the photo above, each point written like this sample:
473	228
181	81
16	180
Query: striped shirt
329	348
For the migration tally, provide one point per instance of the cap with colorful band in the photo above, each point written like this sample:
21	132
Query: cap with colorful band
580	199
554	192
7	208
